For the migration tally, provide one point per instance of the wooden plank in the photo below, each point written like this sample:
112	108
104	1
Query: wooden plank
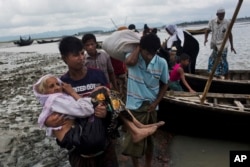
217	95
239	104
215	102
232	107
248	101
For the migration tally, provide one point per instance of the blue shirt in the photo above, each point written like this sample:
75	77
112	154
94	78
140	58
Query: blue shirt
144	81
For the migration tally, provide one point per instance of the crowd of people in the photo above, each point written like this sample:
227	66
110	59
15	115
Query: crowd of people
79	111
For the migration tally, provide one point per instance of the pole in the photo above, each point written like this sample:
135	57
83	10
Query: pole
114	23
220	52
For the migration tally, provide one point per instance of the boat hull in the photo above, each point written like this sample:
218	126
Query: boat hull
196	31
193	118
24	42
48	41
238	82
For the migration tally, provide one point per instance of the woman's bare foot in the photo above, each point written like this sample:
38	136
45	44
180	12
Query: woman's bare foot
158	124
143	133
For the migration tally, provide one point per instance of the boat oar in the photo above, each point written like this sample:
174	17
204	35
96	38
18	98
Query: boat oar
218	59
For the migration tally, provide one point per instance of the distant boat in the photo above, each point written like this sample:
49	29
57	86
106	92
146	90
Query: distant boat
48	41
196	31
24	42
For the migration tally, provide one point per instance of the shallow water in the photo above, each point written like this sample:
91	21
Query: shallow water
186	151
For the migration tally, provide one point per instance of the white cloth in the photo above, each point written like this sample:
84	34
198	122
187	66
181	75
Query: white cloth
176	32
121	42
218	32
61	103
221	10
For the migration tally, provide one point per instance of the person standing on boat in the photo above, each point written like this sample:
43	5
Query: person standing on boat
218	27
184	43
147	83
177	75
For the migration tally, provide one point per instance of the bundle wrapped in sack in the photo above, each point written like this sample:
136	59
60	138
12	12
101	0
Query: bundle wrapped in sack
87	136
121	42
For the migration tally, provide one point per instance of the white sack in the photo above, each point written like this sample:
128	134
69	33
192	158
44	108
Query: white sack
121	42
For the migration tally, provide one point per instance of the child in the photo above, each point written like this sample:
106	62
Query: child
98	58
49	91
177	74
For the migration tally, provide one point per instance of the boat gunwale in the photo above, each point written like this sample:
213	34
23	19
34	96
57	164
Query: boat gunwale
176	98
217	79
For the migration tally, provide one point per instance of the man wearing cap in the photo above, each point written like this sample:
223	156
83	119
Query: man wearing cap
219	26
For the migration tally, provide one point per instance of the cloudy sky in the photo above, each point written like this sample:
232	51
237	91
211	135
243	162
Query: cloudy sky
21	17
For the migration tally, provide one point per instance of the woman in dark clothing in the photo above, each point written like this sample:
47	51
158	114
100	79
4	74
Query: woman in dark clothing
184	43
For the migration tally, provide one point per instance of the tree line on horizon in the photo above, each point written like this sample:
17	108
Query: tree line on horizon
206	21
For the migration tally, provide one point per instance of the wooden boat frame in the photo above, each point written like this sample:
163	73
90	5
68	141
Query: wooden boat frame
43	41
196	31
238	82
184	114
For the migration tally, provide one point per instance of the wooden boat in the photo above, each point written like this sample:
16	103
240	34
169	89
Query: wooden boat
238	82
196	31
48	41
24	42
224	116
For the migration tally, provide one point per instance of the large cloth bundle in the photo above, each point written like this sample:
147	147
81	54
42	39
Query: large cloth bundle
121	42
88	136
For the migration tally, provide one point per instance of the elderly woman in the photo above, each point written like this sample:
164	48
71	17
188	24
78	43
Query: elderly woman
184	43
82	132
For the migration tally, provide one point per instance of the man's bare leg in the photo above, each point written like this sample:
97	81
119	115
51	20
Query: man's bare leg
140	125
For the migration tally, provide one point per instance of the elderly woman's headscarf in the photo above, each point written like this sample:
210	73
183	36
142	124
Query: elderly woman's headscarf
172	28
46	100
42	97
176	32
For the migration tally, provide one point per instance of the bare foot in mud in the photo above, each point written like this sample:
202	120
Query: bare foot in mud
143	133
